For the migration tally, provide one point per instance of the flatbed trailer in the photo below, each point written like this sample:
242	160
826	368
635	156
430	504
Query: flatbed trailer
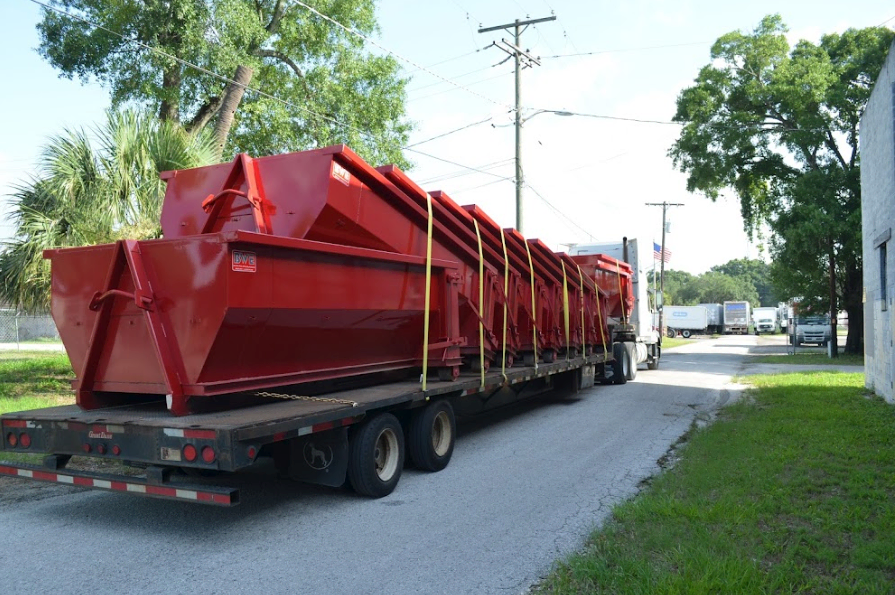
322	439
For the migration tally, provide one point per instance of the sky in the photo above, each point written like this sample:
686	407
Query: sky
588	176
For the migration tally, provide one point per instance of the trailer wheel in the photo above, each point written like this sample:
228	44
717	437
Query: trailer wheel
431	436
685	334
671	333
376	456
620	363
630	349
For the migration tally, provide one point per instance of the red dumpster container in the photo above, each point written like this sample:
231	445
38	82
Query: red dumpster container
233	311
615	278
329	195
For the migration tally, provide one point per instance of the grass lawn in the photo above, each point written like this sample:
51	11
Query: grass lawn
668	342
791	490
815	358
31	380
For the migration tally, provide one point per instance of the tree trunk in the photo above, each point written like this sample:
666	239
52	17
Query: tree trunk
169	111
232	96
834	308
854	305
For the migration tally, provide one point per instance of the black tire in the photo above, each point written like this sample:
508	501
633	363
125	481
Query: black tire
431	436
685	334
376	456
619	363
653	362
671	333
630	350
549	356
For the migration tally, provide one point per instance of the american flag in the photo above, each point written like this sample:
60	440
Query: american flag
659	253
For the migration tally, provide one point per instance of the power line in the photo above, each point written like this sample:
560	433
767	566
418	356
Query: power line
459	76
488	173
478	82
558	212
442	135
392	53
620	50
461	173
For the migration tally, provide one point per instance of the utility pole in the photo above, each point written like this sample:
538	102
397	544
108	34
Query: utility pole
664	206
522	59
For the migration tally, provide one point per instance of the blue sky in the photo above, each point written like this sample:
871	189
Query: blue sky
589	177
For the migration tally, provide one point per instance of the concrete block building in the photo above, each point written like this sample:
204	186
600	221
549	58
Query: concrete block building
877	144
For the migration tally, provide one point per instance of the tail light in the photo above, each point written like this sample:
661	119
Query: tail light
208	454
12	439
24	440
190	453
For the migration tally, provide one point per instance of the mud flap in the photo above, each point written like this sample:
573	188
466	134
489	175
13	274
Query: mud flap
587	376
320	458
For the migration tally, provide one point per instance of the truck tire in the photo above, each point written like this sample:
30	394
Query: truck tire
671	333
685	334
376	456
630	350
620	363
431	436
652	363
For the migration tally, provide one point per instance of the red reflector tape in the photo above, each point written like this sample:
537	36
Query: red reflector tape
327	425
15	423
224	499
202	434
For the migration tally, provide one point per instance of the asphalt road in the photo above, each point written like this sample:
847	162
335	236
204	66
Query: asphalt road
525	486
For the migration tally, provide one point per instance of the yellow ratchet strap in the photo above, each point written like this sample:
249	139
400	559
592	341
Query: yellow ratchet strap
481	303
534	312
506	289
600	322
583	334
428	291
621	296
565	307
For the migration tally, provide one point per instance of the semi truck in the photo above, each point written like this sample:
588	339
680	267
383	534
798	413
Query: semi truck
685	320
765	320
736	317
278	319
634	328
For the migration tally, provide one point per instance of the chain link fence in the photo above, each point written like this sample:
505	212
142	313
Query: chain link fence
17	329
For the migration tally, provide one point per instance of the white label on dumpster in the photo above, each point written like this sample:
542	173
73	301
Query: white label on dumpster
244	262
341	174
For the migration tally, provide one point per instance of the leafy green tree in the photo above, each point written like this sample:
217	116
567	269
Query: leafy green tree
93	188
716	288
778	126
677	284
757	272
308	64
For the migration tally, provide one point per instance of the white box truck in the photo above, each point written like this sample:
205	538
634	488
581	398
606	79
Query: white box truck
764	320
685	320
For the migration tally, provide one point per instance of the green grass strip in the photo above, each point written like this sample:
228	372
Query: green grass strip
809	359
791	490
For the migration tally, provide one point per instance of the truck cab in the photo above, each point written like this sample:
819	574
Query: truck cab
809	329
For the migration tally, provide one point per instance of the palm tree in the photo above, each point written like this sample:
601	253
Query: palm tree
93	188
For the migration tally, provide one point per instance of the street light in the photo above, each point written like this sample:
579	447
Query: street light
519	178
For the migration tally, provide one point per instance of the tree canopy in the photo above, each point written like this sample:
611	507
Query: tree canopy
93	187
320	86
778	125
727	282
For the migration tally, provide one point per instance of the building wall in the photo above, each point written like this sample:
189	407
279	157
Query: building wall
877	144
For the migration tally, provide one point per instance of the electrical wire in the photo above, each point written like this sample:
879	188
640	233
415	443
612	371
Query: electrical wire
442	135
620	50
462	173
558	212
459	76
484	80
396	55
452	162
